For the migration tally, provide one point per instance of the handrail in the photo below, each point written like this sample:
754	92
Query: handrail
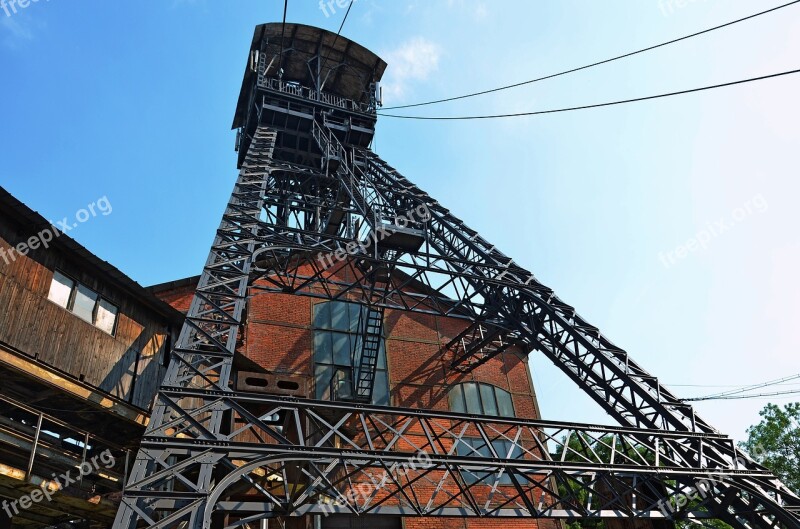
298	90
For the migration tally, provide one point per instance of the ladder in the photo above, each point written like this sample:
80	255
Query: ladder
371	329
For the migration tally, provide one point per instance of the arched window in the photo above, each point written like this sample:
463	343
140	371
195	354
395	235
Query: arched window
337	347
481	399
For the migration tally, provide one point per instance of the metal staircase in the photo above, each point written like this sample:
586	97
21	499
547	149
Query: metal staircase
367	350
371	327
207	445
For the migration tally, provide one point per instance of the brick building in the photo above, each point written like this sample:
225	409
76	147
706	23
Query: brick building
82	351
83	348
295	346
97	376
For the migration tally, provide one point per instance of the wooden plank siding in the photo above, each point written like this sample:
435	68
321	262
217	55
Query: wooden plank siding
127	365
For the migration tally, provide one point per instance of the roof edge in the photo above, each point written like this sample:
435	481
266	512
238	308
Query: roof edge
19	213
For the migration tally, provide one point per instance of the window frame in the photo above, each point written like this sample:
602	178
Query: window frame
353	332
70	307
459	391
477	447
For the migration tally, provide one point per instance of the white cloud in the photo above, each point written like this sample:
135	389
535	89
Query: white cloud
15	31
413	61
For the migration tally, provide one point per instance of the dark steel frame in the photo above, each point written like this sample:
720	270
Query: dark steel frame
285	230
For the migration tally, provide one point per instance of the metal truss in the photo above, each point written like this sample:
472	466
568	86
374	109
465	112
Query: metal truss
203	355
315	214
457	273
206	445
294	456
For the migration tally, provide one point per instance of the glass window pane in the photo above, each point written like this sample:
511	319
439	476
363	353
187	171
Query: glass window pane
471	447
506	450
322	315
504	404
471	397
85	299
468	447
323	348
340	319
322	382
355	344
382	355
60	289
380	395
456	397
106	316
342	383
482	447
488	400
354	313
503	448
475	447
341	349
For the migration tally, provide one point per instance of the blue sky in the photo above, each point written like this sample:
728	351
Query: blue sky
134	100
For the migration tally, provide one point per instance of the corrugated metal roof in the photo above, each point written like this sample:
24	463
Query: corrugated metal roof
351	66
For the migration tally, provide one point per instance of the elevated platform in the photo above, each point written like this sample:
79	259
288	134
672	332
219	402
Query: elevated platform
345	70
298	74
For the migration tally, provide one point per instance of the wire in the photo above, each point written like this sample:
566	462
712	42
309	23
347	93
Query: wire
599	105
713	385
740	397
335	40
606	61
345	20
736	393
283	32
755	386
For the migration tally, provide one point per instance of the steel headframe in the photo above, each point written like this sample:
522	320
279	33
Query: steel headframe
342	212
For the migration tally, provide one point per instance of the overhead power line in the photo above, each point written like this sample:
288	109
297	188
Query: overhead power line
795	384
598	105
341	26
592	65
742	397
283	32
753	387
738	393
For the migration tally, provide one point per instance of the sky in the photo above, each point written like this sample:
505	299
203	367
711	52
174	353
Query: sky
669	224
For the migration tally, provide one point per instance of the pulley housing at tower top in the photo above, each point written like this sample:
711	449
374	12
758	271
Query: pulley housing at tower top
296	73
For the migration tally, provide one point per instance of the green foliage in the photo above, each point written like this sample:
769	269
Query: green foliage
775	442
586	524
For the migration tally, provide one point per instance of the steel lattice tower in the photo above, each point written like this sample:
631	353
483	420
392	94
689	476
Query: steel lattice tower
311	201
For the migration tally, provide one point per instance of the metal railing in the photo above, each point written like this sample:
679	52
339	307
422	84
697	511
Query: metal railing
298	90
52	446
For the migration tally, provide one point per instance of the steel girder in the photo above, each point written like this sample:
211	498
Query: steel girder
286	229
295	456
458	274
203	355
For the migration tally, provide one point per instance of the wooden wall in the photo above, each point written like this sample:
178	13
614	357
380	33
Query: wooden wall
127	365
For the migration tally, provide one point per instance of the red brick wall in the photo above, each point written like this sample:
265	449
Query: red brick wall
180	298
279	338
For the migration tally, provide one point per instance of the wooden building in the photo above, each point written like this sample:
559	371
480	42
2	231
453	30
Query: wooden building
82	352
83	349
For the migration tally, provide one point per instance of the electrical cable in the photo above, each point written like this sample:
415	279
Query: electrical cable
742	397
756	386
715	385
283	32
736	393
335	40
598	105
606	61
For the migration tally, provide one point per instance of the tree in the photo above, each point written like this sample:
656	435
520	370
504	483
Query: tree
775	442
